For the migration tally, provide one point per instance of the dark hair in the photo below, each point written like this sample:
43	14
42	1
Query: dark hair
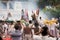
30	21
22	10
40	17
12	22
16	27
18	21
1	38
44	31
36	24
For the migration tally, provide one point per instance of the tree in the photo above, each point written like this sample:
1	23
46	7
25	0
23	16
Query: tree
48	2
54	12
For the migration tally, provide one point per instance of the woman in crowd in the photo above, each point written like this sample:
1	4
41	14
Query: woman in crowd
44	34
53	28
17	33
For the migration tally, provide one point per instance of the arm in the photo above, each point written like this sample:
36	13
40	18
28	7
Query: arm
50	34
39	31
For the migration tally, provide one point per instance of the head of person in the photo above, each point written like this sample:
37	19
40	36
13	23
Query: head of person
22	10
40	18
12	22
1	38
30	21
18	22
36	24
16	27
3	22
44	31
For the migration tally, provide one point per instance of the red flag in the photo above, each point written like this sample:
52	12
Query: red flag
7	38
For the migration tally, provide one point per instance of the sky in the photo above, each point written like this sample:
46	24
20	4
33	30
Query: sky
15	8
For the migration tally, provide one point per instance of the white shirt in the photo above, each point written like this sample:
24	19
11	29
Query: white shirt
53	26
41	23
11	27
37	37
5	27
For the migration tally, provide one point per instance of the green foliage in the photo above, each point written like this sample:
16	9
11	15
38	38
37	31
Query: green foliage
55	13
48	2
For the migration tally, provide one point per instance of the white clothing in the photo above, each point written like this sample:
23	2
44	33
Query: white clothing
11	27
5	25
16	34
58	38
37	37
41	23
53	26
5	28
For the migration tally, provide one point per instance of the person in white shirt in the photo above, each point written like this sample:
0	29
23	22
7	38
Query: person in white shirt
53	29
44	35
17	33
41	22
5	28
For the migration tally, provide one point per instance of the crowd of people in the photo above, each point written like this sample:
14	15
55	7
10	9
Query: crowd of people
30	29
